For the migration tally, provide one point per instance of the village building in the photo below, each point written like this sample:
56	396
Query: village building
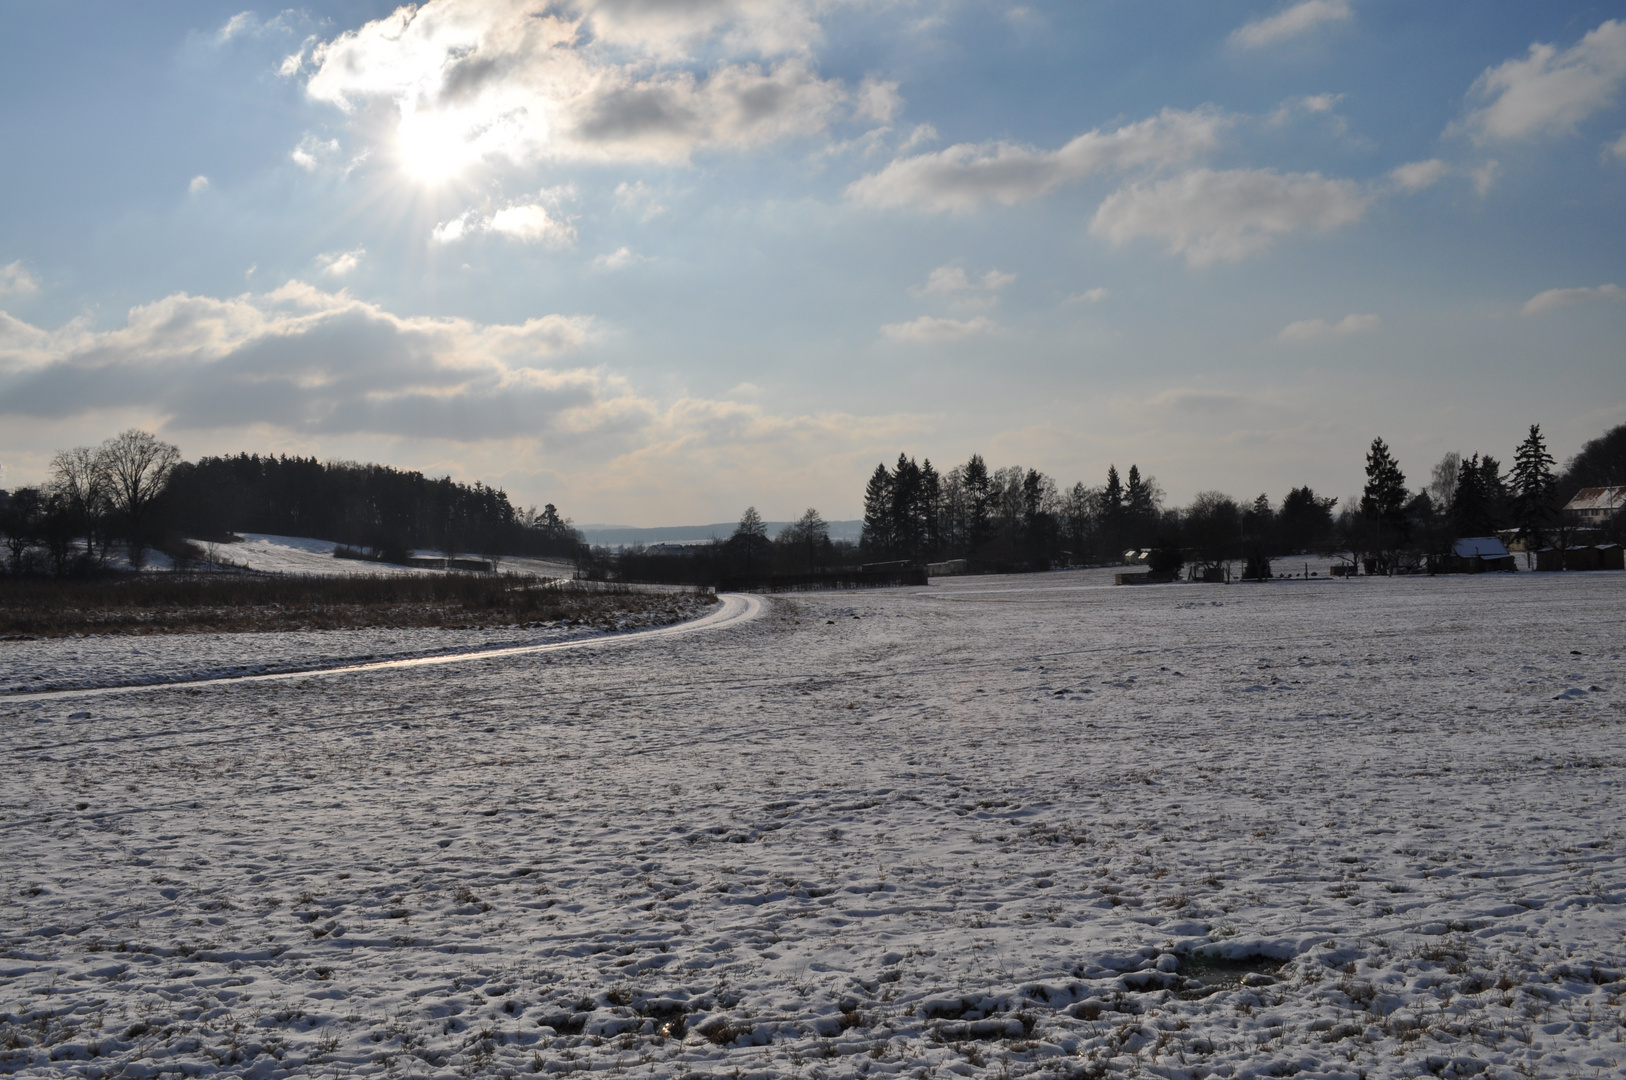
1595	505
1475	555
1584	557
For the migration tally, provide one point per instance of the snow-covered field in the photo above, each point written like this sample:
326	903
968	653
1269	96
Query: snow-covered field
997	826
301	555
29	666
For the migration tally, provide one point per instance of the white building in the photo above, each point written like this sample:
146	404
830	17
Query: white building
1595	504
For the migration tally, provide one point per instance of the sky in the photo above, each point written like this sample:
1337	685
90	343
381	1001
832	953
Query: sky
656	260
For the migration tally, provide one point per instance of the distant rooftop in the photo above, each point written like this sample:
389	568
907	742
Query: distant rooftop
1597	502
1479	547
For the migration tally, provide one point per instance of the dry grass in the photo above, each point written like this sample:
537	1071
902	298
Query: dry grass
225	603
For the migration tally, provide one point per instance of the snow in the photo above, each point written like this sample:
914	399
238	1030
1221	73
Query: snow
996	826
269	553
295	555
105	661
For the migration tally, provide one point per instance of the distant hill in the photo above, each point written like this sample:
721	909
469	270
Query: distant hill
624	535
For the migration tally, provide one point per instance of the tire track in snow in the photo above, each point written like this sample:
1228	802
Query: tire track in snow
733	609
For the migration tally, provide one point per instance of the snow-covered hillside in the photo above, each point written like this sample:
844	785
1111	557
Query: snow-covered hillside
1002	827
302	555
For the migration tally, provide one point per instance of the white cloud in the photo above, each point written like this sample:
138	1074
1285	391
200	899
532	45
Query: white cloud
246	24
966	174
529	223
1317	329
1484	176
617	259
312	152
1299	19
198	185
638	198
450	232
330	375
953	279
599	79
340	263
920	135
1419	174
243	23
927	328
1553	299
15	280
1550	90
670	29
877	100
1088	296
1209	216
1307	105
1617	148
301	359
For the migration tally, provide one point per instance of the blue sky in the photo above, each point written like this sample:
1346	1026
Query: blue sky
654	260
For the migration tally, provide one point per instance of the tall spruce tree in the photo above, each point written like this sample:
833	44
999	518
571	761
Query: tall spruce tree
877	538
1383	501
1533	490
1112	514
1112	496
980	496
908	518
1477	508
1136	500
1470	502
931	502
1140	507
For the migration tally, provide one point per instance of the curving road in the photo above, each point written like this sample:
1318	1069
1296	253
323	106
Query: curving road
732	609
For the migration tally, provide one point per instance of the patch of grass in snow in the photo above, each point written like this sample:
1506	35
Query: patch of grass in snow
215	603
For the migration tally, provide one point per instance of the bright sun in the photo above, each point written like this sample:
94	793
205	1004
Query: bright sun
432	147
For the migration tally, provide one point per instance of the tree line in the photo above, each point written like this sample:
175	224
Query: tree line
803	547
1472	496
1011	518
134	493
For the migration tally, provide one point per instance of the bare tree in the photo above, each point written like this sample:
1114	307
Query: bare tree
809	538
138	465
750	538
1442	487
79	477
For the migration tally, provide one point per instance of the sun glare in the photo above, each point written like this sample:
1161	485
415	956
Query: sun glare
432	148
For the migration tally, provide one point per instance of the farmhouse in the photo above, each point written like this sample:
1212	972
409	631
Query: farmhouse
1594	505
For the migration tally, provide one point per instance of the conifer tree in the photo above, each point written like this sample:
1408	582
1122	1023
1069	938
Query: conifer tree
1533	487
877	537
931	502
1468	502
1383	502
1384	497
1477	506
908	518
980	496
1135	492
1112	513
